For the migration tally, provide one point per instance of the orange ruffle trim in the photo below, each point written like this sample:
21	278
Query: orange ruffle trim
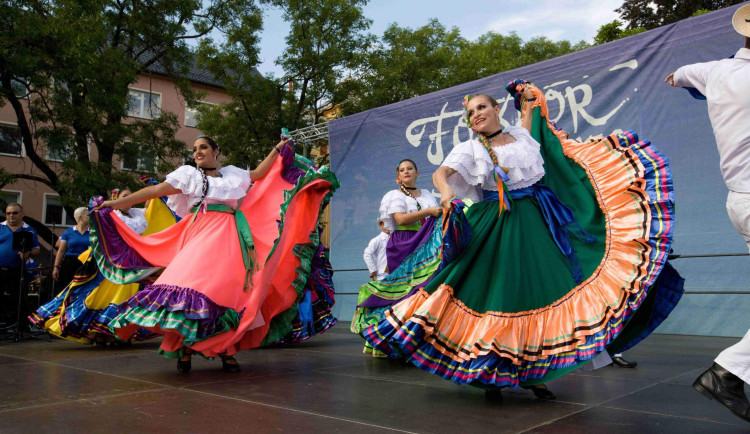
617	286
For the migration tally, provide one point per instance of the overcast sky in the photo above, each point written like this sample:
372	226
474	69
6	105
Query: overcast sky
571	20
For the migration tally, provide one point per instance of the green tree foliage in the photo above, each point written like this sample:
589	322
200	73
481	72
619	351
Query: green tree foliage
324	37
323	41
492	53
406	62
614	31
247	126
650	14
75	60
608	32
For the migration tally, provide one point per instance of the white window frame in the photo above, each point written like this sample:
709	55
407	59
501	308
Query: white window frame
139	163
48	157
64	212
143	115
19	201
22	154
19	86
196	112
64	85
19	192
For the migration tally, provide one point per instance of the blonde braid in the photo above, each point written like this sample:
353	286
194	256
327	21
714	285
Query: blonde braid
497	172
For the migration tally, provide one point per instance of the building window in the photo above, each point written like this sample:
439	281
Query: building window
54	212
143	160
10	140
6	197
57	155
19	87
192	115
144	104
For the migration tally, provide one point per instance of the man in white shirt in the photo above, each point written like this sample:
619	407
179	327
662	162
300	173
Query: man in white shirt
726	85
374	255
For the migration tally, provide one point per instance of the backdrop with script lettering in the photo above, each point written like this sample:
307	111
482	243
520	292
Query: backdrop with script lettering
603	89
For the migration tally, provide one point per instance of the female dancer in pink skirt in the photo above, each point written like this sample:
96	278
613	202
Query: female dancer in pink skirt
234	268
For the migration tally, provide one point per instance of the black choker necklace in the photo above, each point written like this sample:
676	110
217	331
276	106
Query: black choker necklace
496	133
207	169
409	188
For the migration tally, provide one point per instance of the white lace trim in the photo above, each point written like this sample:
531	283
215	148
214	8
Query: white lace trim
395	201
227	189
473	165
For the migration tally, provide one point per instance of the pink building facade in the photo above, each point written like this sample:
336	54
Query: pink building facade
152	92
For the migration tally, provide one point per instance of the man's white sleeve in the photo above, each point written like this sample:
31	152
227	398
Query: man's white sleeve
369	255
695	75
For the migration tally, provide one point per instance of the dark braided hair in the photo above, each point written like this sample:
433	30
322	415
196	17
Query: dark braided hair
204	189
401	186
215	146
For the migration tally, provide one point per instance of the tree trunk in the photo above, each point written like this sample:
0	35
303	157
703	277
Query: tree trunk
26	136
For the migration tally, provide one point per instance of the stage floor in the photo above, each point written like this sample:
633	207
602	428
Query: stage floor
327	385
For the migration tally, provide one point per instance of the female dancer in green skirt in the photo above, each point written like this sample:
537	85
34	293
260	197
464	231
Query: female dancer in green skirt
567	242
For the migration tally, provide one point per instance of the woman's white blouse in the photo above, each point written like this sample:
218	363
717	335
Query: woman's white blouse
474	168
227	189
136	220
395	201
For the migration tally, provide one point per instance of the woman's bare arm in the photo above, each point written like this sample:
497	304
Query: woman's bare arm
407	218
142	195
527	110
62	246
265	165
440	179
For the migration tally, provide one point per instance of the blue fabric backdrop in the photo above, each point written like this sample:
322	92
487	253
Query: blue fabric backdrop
614	86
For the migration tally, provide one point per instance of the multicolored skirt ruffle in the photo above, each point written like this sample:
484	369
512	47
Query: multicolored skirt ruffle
83	310
206	297
85	307
431	250
507	310
314	304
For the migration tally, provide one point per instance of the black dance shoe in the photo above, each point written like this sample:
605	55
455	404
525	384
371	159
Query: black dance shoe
493	395
541	392
121	344
100	340
720	384
619	361
229	367
184	366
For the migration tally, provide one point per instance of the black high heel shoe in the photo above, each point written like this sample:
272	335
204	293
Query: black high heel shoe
229	367
184	366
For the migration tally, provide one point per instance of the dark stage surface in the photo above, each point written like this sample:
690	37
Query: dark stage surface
327	385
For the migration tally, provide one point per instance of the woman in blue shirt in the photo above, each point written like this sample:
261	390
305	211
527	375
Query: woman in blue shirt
71	244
